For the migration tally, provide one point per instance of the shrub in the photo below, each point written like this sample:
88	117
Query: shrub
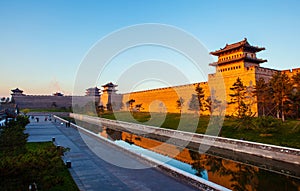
267	124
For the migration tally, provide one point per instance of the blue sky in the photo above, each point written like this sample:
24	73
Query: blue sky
42	43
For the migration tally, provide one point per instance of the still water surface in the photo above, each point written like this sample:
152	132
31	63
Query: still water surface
232	170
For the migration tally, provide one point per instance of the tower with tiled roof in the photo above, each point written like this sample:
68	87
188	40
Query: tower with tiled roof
236	56
238	60
17	92
109	96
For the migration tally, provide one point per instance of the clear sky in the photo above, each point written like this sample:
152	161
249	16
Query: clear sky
42	43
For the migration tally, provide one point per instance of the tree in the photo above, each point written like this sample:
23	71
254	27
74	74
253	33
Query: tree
200	95
295	94
12	137
129	104
240	97
138	107
194	104
179	103
2	99
262	95
211	104
197	101
281	89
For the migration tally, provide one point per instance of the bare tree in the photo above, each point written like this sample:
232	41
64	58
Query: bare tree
180	103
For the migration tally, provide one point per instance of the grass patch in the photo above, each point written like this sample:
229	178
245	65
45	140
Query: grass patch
41	164
63	109
283	134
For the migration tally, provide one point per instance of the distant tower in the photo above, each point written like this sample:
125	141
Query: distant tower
109	92
93	92
17	92
58	94
238	60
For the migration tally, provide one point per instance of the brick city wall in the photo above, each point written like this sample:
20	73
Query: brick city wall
164	99
43	101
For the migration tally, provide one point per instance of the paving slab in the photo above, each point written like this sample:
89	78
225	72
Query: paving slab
92	172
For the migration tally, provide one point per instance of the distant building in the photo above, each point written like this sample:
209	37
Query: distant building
109	98
93	94
17	92
92	91
238	60
57	100
58	94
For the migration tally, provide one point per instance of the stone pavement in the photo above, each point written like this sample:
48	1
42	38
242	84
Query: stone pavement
91	172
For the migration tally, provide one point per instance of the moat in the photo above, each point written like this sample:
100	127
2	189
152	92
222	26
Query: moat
232	170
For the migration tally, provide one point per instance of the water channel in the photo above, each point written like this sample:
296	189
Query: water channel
232	170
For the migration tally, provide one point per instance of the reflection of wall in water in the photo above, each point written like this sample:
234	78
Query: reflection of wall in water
183	155
111	134
230	174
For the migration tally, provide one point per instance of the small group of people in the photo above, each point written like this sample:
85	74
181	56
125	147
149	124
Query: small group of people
37	119
68	124
46	118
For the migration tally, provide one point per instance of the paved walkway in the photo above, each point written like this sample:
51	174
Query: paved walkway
91	172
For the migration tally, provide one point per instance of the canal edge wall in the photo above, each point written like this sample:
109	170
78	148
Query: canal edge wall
284	154
181	175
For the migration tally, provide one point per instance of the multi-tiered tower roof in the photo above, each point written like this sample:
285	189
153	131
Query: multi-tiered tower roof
93	92
237	52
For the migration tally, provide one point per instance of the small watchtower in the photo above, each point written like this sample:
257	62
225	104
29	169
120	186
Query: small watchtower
17	92
94	94
109	92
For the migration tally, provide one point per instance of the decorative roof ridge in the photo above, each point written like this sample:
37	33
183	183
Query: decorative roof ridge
228	47
110	84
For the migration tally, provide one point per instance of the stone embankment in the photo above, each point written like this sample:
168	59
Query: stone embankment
199	142
196	181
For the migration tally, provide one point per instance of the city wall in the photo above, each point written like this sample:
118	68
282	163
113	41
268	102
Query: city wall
165	99
43	101
48	101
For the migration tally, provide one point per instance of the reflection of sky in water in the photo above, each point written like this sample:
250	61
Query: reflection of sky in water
170	161
226	172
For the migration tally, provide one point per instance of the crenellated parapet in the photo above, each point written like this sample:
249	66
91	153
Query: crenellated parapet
291	72
237	60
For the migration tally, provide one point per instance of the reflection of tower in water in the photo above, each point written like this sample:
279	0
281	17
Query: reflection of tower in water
111	134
